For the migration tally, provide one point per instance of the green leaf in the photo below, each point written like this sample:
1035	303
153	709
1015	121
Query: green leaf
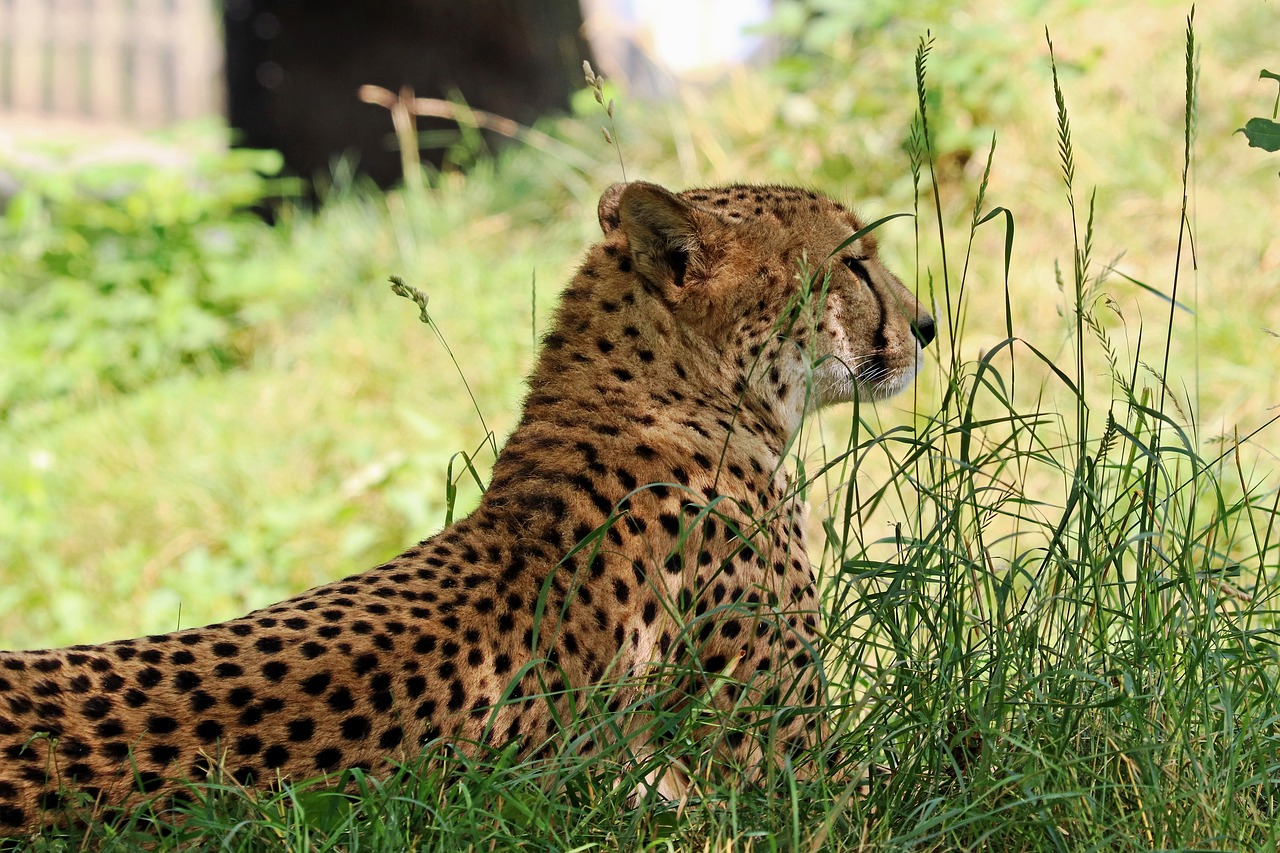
1269	75
1262	133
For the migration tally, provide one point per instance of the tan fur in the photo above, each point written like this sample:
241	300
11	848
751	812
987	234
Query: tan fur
641	497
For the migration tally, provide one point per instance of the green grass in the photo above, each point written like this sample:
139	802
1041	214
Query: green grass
1050	568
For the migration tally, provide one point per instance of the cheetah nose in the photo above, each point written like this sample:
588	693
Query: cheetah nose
924	330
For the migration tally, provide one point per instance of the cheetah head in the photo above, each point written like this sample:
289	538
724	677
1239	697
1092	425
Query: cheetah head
769	275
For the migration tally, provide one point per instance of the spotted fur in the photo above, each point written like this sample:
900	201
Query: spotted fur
640	507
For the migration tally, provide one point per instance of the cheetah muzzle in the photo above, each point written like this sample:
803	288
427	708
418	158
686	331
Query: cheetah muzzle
640	506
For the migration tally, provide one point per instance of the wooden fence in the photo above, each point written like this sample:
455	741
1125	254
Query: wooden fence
136	62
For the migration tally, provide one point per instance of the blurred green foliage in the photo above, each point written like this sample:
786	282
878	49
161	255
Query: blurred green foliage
115	272
841	59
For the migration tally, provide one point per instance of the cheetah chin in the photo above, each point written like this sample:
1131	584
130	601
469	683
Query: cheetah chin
638	542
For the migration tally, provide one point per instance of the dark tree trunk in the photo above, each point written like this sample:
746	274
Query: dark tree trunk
293	68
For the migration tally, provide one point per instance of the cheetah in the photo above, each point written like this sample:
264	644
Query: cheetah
638	515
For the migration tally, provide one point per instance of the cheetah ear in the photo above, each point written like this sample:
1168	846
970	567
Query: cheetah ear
607	210
660	228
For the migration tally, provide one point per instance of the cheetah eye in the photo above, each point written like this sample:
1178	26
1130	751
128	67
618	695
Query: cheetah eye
855	266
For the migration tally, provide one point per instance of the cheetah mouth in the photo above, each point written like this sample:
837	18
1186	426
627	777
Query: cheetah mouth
871	377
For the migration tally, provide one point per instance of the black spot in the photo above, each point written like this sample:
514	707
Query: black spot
96	707
226	650
356	728
149	677
50	711
268	645
328	759
301	730
109	729
115	749
621	591
274	670
228	670
275	756
163	753
341	700
457	696
248	745
391	738
311	651
382	700
201	701
75	748
161	725
316	684
685	600
208	730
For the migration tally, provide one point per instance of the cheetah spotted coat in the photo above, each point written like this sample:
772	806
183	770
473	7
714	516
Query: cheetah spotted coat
638	517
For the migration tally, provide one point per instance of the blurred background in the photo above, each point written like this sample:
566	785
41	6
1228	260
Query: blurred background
284	73
209	400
